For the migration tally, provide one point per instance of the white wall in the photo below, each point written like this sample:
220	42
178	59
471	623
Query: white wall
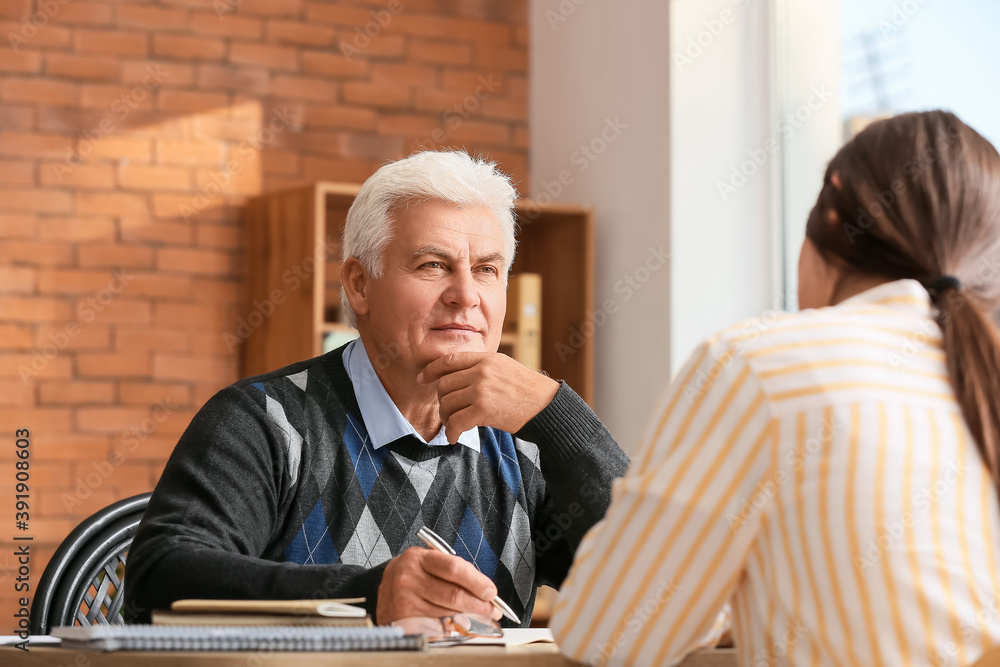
690	123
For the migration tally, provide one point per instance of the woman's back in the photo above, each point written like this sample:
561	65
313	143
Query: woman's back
815	471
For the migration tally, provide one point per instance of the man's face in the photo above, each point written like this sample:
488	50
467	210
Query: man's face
443	285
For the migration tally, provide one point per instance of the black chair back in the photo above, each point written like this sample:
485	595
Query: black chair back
82	583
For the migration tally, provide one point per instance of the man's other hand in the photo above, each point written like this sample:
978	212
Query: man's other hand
422	582
486	389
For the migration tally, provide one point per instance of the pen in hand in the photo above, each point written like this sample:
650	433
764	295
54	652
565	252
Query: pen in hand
434	541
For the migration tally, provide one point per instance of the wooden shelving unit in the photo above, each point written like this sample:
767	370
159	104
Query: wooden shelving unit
293	250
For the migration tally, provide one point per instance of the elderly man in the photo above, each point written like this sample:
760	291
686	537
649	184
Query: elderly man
313	480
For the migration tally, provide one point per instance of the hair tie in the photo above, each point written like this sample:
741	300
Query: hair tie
943	284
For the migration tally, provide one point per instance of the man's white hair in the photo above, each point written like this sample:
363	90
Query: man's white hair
451	176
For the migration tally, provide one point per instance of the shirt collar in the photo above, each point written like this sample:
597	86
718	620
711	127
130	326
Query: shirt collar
383	420
906	296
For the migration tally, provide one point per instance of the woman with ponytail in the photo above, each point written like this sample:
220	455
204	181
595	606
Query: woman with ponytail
831	475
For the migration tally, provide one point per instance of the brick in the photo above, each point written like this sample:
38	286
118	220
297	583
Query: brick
159	285
112	419
111	203
41	91
77	501
224	343
51	35
476	132
213	290
176	207
116	311
448	53
522	36
404	74
187	152
98	176
75	393
217	236
152	18
297	32
378	95
76	229
190	101
304	88
185	367
52	420
34	309
111	42
292	8
33	365
130	479
68	447
17	117
502	58
145	230
408	125
17	173
159	339
54	530
184	47
227	25
38	253
153	177
505	109
21	279
112	365
90	13
113	100
522	137
370	146
17	8
350	171
439	101
265	55
72	281
151	449
242	79
149	72
15	336
196	261
75	335
338	14
15	393
426	25
116	148
341	116
114	256
334	64
382	46
36	199
470	81
20	144
20	61
17	224
281	162
50	474
213	184
83	67
195	317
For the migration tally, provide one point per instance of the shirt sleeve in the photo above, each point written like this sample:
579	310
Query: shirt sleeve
650	580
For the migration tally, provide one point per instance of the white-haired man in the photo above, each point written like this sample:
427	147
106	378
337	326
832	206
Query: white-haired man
313	480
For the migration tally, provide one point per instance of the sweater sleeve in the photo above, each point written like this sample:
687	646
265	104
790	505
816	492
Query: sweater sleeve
579	461
214	512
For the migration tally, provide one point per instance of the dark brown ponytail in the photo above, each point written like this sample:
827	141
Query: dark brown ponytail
918	196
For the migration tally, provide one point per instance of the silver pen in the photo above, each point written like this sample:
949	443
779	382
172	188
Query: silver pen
434	541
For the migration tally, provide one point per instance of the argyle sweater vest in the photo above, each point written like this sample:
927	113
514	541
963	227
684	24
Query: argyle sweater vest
274	491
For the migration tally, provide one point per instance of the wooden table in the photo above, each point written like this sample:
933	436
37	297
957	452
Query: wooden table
535	655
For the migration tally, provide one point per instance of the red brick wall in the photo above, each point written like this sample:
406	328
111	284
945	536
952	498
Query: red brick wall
121	260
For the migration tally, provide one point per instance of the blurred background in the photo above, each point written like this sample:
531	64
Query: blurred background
685	139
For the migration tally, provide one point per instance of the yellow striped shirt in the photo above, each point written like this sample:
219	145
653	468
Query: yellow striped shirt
813	471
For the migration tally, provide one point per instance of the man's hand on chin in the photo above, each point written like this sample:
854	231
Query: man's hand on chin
486	389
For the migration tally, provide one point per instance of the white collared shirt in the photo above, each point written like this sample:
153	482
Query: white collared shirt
384	421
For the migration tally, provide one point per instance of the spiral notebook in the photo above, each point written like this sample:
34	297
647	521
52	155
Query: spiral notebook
240	638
